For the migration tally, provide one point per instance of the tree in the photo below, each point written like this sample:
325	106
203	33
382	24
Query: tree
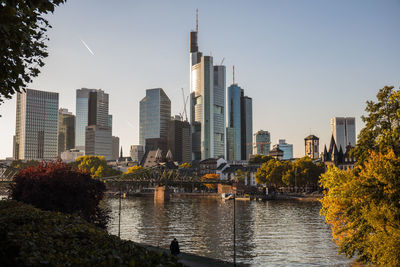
95	165
363	208
210	176
272	172
137	172
22	42
56	186
259	159
382	125
307	173
185	165
19	164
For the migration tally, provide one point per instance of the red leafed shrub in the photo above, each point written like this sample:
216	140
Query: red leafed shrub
56	186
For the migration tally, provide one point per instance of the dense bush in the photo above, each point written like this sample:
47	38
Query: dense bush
59	187
31	237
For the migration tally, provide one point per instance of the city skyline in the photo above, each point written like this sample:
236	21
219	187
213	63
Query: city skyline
294	87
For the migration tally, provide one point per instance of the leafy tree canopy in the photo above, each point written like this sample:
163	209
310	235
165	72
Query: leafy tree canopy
363	208
22	42
95	165
185	165
210	176
259	159
382	125
56	186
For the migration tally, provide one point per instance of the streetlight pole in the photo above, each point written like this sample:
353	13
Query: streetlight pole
119	212
234	229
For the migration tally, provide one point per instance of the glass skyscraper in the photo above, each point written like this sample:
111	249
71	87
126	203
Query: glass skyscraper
344	131
36	125
234	122
82	114
207	104
154	115
66	130
262	143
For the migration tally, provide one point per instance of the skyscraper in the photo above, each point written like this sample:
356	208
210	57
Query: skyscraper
262	143
154	115
234	122
344	131
137	153
82	114
247	126
115	147
179	142
207	104
36	125
98	133
66	130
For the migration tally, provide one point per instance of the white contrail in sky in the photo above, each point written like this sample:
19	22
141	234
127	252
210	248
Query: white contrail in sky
90	50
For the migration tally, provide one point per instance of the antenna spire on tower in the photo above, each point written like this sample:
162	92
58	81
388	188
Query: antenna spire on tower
233	71
197	20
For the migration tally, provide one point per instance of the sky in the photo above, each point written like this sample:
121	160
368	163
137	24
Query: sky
302	62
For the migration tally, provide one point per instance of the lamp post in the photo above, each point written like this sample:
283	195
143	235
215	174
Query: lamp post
234	229
119	212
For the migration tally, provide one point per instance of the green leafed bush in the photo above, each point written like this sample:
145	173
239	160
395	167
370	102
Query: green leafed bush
32	237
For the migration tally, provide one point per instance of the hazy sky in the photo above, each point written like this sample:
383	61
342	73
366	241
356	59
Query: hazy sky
302	62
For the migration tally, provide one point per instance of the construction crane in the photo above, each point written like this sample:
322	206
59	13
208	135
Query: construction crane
222	61
185	100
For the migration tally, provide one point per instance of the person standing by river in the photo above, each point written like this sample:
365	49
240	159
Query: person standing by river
174	247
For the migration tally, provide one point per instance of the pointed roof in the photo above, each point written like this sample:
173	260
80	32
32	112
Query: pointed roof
169	155
158	155
332	145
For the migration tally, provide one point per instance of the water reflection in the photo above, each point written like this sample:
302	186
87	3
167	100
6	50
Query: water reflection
268	234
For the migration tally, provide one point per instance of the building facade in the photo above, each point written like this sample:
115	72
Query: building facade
82	114
344	131
286	148
179	140
154	115
66	130
137	152
115	147
262	143
98	141
311	144
36	131
207	104
234	122
247	126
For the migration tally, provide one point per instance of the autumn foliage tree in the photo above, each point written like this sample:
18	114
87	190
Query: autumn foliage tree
363	205
56	186
210	176
95	165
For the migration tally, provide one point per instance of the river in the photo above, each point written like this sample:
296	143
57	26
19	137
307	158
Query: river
272	233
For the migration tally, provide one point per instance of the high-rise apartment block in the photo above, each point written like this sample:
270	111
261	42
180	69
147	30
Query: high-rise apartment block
262	143
311	143
66	130
286	148
154	115
179	139
344	131
137	153
36	125
207	104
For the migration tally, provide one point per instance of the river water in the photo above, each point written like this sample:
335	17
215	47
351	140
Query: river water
272	233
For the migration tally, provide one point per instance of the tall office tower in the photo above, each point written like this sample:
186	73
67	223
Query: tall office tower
344	131
137	152
36	125
311	144
82	114
179	141
207	104
98	141
286	148
154	115
234	123
115	147
98	133
66	130
246	106
110	121
262	143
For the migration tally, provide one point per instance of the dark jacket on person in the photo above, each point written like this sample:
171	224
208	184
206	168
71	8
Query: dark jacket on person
174	247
